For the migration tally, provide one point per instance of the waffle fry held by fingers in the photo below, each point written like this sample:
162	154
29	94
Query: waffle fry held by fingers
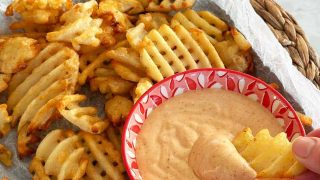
86	156
271	157
170	50
84	117
79	27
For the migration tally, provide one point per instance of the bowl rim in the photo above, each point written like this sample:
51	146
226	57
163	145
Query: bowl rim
125	127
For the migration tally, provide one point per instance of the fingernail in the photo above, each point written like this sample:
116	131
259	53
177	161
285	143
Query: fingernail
303	146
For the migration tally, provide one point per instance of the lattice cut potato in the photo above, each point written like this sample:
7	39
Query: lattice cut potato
153	20
37	12
170	50
59	155
34	91
270	157
79	27
232	47
16	52
169	5
85	118
126	63
204	20
124	6
63	154
5	156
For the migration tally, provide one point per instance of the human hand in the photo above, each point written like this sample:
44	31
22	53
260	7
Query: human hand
307	151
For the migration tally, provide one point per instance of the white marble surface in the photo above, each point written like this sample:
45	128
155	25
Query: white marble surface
307	13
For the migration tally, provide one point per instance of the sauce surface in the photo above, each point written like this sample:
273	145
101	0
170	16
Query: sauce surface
175	140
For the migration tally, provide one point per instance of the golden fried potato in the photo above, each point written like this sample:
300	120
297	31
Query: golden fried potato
111	84
52	73
124	6
59	155
153	20
79	27
241	41
5	120
83	117
63	154
232	56
117	109
5	156
171	50
114	135
270	157
4	81
143	85
104	159
11	60
191	19
126	63
169	5
136	35
37	13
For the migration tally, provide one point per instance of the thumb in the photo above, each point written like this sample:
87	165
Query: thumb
307	151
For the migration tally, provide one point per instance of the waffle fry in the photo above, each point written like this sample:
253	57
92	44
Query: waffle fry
114	135
143	85
79	27
84	156
271	157
241	41
36	15
49	161
4	80
126	63
191	19
136	35
88	71
168	51
5	120
104	160
169	5
53	72
124	6
233	57
10	60
84	117
153	20
5	156
117	109
111	84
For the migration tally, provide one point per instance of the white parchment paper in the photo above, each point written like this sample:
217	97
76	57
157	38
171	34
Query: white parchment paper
272	62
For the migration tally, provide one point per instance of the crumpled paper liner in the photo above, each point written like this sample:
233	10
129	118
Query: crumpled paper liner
272	64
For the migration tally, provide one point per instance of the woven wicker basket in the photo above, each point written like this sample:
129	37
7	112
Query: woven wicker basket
291	36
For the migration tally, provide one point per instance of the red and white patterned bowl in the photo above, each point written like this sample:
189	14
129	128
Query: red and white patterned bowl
249	86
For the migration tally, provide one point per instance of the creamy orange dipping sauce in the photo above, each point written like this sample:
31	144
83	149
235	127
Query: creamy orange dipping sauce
189	136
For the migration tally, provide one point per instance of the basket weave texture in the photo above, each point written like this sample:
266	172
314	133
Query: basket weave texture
292	38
